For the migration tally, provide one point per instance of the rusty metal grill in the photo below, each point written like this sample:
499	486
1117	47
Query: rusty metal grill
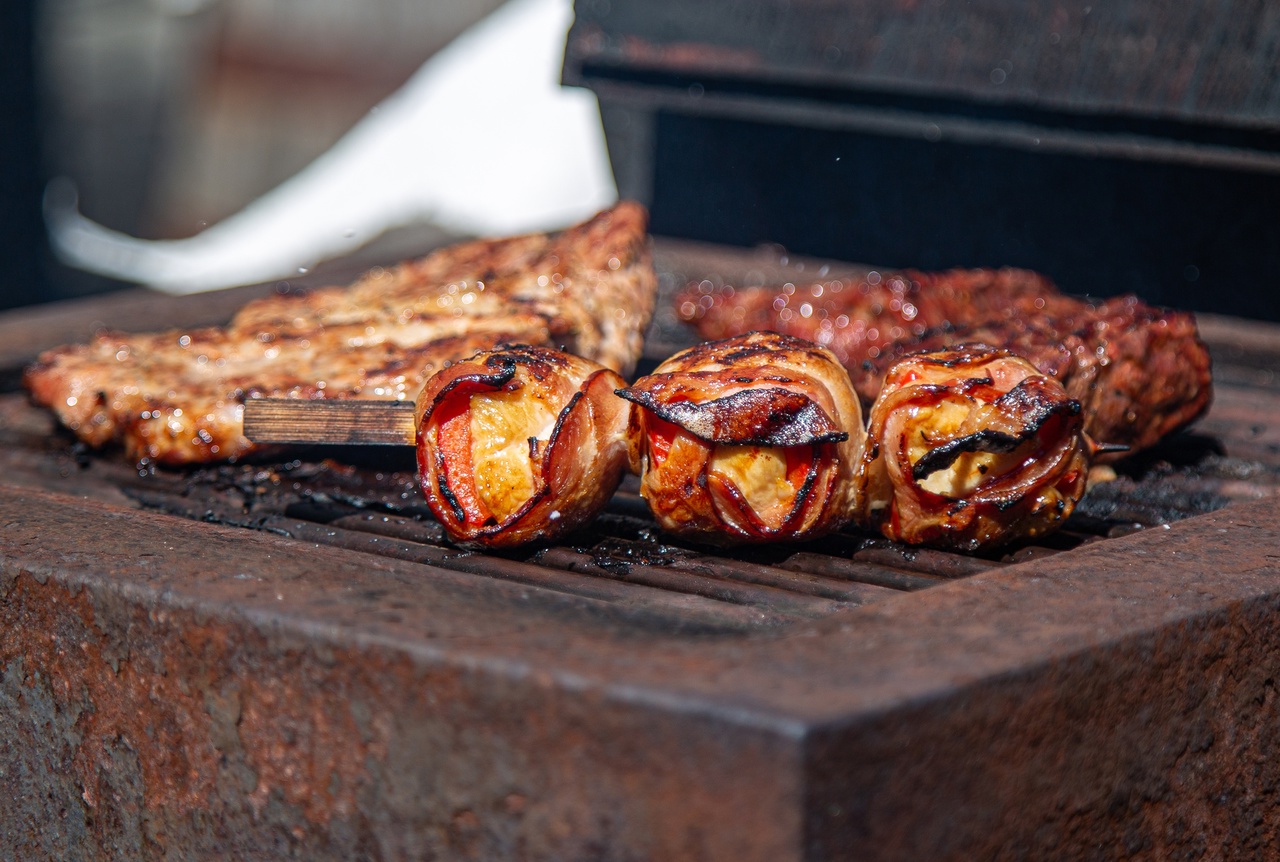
624	561
291	655
350	499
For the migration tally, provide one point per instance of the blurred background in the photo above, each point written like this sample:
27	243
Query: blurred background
1124	147
170	115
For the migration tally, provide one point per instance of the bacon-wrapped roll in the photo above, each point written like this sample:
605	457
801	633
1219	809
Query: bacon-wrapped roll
751	439
520	444
971	448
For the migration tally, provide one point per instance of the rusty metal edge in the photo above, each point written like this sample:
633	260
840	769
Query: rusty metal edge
153	698
886	681
991	623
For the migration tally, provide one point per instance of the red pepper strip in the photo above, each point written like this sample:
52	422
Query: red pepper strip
661	435
453	460
804	466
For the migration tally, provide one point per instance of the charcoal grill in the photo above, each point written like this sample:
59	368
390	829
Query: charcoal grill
288	659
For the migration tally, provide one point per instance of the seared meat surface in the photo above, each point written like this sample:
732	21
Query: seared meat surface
1140	372
855	317
178	397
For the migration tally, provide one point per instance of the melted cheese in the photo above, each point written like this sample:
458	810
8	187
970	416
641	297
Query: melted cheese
934	426
760	475
501	425
972	469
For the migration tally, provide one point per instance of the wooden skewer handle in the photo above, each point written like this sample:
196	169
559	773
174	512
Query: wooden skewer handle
351	422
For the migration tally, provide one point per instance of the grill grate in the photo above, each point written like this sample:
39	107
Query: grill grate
623	560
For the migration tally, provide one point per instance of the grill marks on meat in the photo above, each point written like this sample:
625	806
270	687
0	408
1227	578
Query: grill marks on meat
1139	372
177	397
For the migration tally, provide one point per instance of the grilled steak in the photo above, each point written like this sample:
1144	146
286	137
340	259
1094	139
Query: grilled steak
854	317
1140	372
177	397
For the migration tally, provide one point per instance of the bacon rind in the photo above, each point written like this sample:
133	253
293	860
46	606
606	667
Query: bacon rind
576	470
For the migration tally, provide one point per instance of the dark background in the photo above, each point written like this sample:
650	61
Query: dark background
23	252
1192	237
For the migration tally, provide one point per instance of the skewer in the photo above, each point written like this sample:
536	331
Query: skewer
346	421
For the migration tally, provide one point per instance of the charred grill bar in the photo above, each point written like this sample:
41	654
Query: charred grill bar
289	656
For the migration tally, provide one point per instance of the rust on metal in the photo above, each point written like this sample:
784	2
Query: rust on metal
289	658
243	695
256	690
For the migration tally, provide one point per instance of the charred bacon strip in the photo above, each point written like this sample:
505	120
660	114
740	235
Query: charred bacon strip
970	449
520	444
1139	372
748	440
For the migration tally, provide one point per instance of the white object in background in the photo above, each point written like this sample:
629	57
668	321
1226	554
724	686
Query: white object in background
481	140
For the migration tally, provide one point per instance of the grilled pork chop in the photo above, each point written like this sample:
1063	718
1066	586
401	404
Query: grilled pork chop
178	397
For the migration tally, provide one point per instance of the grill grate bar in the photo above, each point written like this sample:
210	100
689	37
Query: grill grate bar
670	609
924	561
867	573
392	526
730	569
619	550
797	580
779	600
